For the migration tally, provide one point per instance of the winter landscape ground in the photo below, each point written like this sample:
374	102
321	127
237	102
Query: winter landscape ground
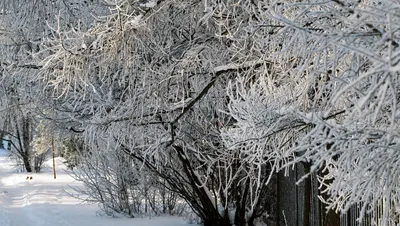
44	201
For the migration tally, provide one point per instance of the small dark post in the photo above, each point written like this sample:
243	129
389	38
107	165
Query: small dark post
54	162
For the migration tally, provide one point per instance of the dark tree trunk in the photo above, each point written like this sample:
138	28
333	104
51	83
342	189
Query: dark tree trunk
210	214
24	138
241	198
26	143
217	222
250	222
331	218
197	196
27	163
2	134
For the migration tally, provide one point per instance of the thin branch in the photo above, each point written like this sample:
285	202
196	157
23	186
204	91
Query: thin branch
218	71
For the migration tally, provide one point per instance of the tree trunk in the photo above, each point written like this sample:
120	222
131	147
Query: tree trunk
210	214
2	134
241	199
217	222
26	143
163	198
240	214
250	221
27	163
331	218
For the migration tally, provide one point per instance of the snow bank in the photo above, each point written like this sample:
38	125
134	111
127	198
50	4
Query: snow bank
43	201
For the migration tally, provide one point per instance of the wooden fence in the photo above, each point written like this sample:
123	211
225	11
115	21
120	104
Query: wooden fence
290	206
371	218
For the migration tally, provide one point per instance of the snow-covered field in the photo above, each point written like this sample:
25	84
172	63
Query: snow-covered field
43	201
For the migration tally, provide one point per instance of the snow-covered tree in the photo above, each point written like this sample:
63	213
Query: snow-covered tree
333	94
214	97
23	32
152	87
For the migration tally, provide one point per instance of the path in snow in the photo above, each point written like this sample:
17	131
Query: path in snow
43	201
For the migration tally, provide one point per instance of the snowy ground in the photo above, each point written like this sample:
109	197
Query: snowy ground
43	201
